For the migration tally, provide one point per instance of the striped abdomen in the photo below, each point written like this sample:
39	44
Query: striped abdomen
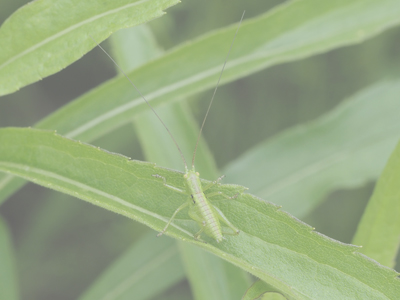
201	210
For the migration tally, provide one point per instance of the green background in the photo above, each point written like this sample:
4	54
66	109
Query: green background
53	232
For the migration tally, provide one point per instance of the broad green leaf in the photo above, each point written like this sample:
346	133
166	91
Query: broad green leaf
209	276
8	273
146	269
272	245
292	31
43	37
345	148
379	229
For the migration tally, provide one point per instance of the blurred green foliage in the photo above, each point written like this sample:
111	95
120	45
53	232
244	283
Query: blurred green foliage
50	250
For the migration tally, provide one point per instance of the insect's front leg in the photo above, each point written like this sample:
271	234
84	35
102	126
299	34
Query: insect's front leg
169	186
213	183
179	208
173	216
218	193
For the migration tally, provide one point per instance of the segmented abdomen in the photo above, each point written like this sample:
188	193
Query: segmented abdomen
204	212
212	225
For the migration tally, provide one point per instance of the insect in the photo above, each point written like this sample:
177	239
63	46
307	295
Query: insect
208	216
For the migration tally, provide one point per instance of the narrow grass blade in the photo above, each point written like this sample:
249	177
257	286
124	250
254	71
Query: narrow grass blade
379	229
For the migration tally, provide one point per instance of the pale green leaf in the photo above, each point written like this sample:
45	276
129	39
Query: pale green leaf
343	149
43	37
272	245
379	229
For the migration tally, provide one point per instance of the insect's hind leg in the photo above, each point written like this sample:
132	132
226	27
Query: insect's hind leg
224	219
223	195
197	235
173	216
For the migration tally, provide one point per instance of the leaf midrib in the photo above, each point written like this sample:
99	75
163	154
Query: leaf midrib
48	174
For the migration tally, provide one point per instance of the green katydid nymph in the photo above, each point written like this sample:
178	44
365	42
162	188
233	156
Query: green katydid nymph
208	216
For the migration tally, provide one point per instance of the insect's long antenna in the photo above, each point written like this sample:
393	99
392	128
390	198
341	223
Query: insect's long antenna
215	91
144	98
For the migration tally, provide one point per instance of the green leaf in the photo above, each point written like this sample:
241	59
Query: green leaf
272	245
40	40
379	229
342	149
146	269
8	273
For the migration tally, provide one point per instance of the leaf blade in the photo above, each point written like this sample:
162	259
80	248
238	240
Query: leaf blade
284	252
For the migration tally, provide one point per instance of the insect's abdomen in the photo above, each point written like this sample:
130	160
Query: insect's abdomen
210	217
201	210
